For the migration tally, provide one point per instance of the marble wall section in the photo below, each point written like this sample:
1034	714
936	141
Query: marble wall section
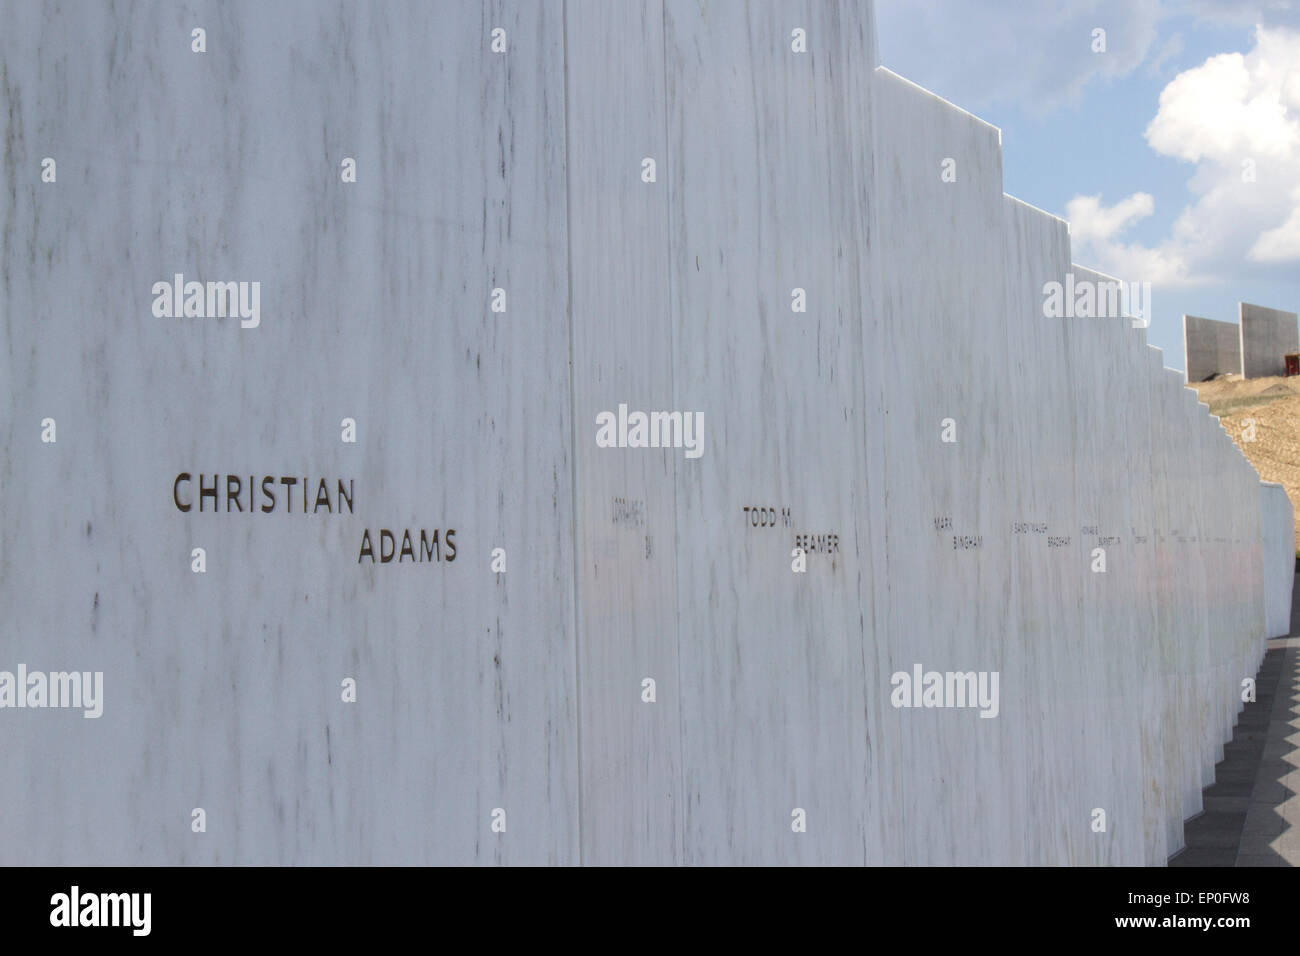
1277	520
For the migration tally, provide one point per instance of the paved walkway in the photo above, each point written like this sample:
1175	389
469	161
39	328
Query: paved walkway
1252	811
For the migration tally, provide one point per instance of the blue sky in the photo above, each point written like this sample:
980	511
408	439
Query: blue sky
1174	203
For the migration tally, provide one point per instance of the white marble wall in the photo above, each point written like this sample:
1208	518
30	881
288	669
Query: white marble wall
1046	580
632	807
223	688
1278	522
779	682
523	691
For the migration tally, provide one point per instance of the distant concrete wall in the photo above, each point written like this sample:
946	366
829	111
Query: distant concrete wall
1210	347
653	674
1278	521
1267	335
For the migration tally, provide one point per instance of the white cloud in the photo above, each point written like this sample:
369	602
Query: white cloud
1090	220
1237	117
1095	239
1233	106
1095	231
